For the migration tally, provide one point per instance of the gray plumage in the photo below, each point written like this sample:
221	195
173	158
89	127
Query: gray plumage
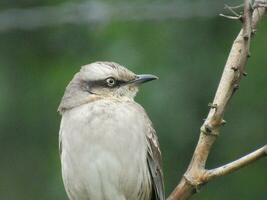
108	147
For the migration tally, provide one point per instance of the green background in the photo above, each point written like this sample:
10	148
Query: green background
188	54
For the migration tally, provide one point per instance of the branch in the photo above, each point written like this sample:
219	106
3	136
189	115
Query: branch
237	164
231	17
232	10
197	175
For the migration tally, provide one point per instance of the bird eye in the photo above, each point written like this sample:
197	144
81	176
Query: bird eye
110	82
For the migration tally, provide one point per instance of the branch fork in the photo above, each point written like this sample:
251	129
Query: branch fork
196	174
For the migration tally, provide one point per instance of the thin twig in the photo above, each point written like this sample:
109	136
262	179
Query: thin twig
231	9
260	3
231	17
237	164
234	7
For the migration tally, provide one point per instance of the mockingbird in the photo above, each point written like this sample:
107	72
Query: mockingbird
108	147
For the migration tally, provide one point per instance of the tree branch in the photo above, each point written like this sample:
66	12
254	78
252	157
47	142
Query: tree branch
231	17
196	174
237	164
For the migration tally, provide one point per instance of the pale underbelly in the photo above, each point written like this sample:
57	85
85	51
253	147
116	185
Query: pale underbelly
104	155
101	175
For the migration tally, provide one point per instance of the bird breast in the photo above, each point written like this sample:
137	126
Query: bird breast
104	151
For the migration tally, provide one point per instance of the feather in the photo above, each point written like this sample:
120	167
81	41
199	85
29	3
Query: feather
155	167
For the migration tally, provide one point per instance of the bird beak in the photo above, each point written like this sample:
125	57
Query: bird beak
143	78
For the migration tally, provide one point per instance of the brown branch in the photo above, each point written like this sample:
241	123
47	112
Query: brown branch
247	21
196	174
237	164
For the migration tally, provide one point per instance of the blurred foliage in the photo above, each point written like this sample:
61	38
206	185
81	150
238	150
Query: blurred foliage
188	55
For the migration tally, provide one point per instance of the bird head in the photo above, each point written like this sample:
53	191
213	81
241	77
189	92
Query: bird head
102	80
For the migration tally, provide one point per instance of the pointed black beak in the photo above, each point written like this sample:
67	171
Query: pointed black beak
143	78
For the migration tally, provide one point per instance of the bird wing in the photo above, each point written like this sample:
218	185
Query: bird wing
154	164
60	142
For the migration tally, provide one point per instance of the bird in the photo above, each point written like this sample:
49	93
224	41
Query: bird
108	147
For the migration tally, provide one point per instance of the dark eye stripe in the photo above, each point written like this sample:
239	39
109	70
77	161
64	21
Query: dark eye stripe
120	82
103	83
